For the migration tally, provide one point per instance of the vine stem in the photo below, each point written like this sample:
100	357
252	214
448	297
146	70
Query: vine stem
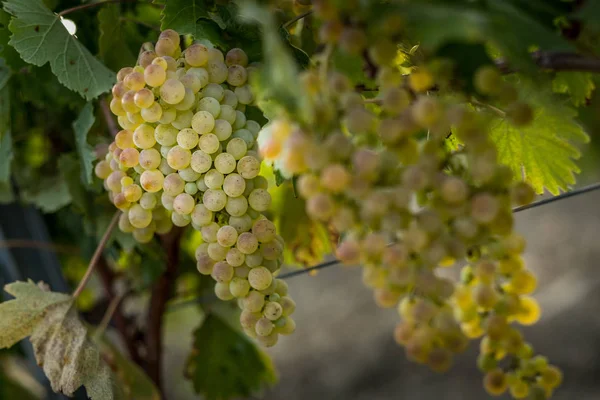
90	5
113	306
297	18
96	256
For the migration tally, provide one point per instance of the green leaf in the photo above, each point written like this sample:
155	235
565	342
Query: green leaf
70	169
50	195
82	126
589	14
7	52
112	44
4	72
542	153
579	85
59	339
130	378
225	364
191	17
40	38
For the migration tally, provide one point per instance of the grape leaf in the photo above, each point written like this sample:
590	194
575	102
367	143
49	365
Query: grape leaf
542	153
579	85
307	241
112	44
50	194
40	38
82	126
224	363
191	17
59	339
130	378
6	150
7	52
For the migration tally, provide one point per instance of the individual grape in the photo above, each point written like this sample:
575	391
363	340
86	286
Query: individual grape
209	232
168	116
148	201
288	328
102	169
124	139
264	230
288	305
167	201
180	220
120	201
149	159
187	138
143	136
551	377
522	194
228	113
236	206
420	80
200	161
172	35
217	252
117	108
124	224
244	94
123	72
264	327
132	193
259	278
237	75
222	272
152	114
144	235
236	56
217	71
254	302
213	179
134	81
211	105
179	158
192	82
196	55
173	184
215	54
139	217
488	80
529	312
320	206
209	143
152	180
235	257
184	203
165	47
143	98
118	90
172	91
239	287
335	178
259	199
135	119
214	199
240	119
129	157
521	282
248	167
225	163
113	182
165	135
222	291
189	99
241	224
189	175
155	75
203	122
237	147
222	129
484	208
273	311
495	382
454	190
246	136
227	236
233	185
213	90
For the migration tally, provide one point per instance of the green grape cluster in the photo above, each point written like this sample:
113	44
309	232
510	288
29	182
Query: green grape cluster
187	155
379	171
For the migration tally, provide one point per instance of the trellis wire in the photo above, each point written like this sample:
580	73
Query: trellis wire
330	263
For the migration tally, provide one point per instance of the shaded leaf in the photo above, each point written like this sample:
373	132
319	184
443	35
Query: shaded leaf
59	339
6	149
191	17
40	38
579	85
50	194
7	52
225	364
129	377
543	152
82	126
112	44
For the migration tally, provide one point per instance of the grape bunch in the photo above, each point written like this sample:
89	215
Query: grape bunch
187	155
380	172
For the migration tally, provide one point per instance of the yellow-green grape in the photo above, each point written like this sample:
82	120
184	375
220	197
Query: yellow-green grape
132	193
139	217
214	199
203	122
148	201
180	220
152	114
522	194
144	98
143	136
518	389
129	157
244	94
488	80
200	161
227	236
123	72
155	75
120	201
187	138
209	143
222	272
150	159
179	157
188	101
254	301
239	287
213	179
124	139
217	252
236	56
146	58
116	107
495	382
236	206
335	178
420	80
211	105
166	47
222	291
172	91
234	185
172	35
196	55
237	75
217	71
165	135
183	204
173	184
102	169
264	327
192	82
222	129
134	81
260	278
259	200
273	311
551	377
152	180
529	311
